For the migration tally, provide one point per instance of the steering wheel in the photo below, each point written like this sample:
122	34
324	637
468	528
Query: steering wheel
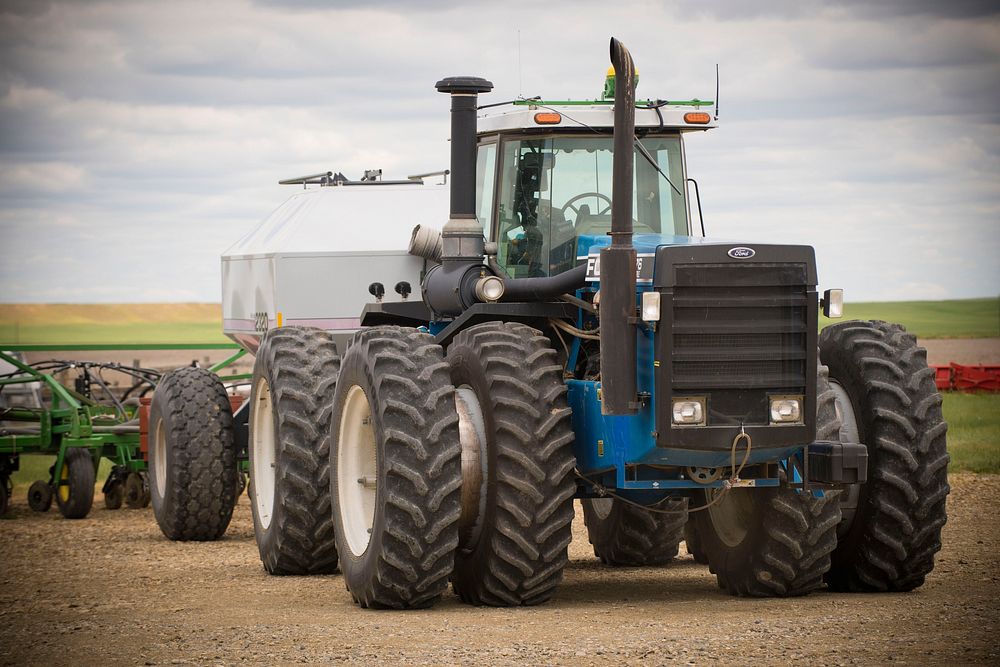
583	195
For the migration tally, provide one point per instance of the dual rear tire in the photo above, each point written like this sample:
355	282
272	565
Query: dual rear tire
630	536
431	483
396	469
771	542
890	402
878	536
294	379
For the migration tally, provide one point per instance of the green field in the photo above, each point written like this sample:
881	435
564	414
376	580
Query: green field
960	318
80	324
973	431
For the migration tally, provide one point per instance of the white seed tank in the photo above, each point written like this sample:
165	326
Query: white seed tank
311	261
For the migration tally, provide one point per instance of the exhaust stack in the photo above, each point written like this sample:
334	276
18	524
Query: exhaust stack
618	277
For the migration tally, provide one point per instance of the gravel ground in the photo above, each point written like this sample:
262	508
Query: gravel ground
110	589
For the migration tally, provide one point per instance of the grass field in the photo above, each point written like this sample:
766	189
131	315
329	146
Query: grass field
960	318
973	431
79	324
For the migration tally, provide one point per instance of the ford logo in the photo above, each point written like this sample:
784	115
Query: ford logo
741	253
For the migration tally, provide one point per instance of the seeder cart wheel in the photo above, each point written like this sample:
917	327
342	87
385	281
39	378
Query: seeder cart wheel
192	455
75	495
40	496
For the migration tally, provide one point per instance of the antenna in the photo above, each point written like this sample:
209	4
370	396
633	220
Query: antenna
520	87
716	91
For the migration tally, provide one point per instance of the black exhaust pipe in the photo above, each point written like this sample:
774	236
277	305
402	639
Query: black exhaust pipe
618	277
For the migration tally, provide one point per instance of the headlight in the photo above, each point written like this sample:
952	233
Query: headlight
833	303
786	409
651	306
689	411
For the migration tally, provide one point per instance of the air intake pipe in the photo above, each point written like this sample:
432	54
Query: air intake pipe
618	279
426	242
455	285
449	289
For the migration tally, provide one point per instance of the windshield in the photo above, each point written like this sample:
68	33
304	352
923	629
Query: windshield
556	189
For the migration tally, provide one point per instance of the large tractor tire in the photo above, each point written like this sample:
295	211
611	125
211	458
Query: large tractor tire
192	456
6	489
891	404
630	536
395	469
692	540
294	379
517	521
75	484
773	542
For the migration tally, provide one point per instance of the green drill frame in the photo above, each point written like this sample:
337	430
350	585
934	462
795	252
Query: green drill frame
75	421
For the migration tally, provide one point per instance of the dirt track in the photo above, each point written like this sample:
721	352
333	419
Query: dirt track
110	589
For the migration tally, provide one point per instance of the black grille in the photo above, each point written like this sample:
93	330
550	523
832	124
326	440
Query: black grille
739	327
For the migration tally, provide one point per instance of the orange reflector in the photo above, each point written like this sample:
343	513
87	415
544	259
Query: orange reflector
698	117
547	118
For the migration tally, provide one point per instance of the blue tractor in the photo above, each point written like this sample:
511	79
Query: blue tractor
575	339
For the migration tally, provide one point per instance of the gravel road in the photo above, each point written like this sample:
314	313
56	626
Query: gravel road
110	589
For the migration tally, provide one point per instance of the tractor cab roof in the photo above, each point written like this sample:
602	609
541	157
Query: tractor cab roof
537	114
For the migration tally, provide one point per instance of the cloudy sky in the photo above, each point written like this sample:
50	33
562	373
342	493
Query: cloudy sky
139	139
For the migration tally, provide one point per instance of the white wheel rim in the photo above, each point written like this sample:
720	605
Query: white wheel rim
731	515
160	458
602	507
357	469
263	453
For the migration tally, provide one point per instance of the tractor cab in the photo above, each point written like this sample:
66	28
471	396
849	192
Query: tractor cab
544	179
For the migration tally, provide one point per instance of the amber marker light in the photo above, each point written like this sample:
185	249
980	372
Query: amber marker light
697	118
547	118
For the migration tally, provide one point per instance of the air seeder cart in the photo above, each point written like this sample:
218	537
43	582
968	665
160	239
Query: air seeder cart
573	338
